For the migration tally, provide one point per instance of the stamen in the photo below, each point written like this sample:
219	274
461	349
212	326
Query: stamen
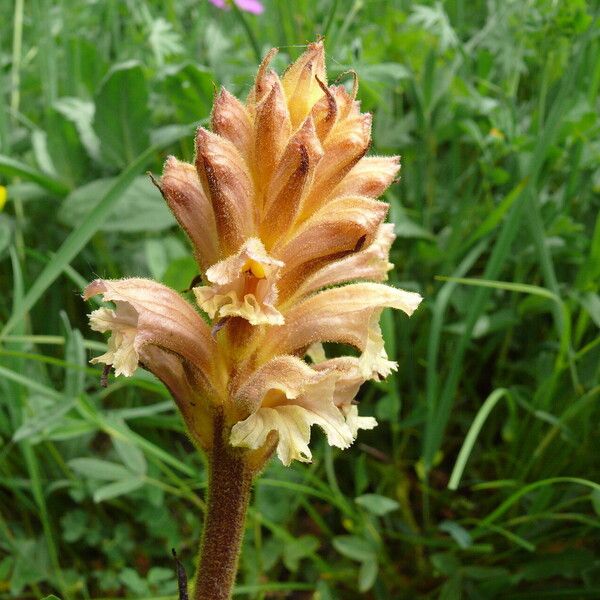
104	376
253	267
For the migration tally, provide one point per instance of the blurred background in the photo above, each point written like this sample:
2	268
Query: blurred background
481	481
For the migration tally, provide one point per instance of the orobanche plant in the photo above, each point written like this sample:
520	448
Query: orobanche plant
280	208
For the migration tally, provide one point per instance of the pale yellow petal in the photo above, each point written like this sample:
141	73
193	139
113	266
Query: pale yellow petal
122	353
288	396
289	422
355	422
316	353
373	362
291	419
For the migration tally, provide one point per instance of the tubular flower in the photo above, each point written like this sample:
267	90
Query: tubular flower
281	210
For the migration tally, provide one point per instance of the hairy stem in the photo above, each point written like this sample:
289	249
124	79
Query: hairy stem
228	495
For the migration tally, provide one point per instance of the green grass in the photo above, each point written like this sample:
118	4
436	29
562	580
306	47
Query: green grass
482	479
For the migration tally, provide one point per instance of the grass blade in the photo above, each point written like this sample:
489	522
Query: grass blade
79	237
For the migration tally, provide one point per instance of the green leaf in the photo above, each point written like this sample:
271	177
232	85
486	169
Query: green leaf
122	117
591	303
405	228
389	73
458	533
133	458
32	564
451	590
190	89
40	421
5	567
180	273
118	488
14	168
5	233
595	497
354	547
445	563
140	208
96	468
75	355
376	504
68	155
81	114
297	549
367	574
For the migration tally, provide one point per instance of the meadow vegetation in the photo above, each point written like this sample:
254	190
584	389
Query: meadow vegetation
482	479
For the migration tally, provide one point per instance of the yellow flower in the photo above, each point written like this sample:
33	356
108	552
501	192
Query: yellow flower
281	210
3	196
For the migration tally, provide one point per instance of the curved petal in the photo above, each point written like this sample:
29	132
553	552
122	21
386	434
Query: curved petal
181	189
286	374
340	314
346	387
338	227
349	377
227	184
291	419
263	82
289	423
373	362
371	263
355	422
148	313
324	112
371	176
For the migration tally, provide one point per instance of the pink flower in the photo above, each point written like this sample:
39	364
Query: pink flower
252	6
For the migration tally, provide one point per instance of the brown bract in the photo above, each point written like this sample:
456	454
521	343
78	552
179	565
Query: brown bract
280	207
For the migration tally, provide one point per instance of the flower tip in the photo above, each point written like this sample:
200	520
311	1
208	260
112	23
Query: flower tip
413	300
264	65
93	289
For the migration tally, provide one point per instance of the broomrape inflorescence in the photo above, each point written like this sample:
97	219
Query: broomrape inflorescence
280	208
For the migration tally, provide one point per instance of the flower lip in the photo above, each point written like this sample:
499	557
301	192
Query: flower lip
243	285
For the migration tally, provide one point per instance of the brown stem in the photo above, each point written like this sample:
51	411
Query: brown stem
227	498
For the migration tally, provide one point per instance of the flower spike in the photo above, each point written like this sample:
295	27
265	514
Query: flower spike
281	209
